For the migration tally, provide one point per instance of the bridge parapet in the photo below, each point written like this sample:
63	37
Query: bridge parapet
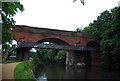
47	31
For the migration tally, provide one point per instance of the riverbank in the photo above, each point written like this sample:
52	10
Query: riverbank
24	71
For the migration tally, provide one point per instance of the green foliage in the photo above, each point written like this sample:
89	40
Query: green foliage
32	54
60	57
9	9
49	56
24	70
9	61
40	56
106	29
88	29
82	1
110	42
79	29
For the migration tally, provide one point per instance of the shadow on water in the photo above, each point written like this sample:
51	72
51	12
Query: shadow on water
59	71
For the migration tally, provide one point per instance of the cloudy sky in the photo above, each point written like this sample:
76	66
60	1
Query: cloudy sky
61	14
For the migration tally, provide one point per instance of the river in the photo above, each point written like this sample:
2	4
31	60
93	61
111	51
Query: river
59	71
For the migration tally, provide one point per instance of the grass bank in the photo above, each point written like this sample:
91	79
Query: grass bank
24	71
9	61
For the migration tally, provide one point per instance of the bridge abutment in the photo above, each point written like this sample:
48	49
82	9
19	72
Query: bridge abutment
23	54
70	57
95	57
88	59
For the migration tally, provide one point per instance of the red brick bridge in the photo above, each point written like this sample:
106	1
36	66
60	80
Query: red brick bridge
78	40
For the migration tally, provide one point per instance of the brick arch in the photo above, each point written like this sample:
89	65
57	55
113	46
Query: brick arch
53	40
94	55
92	43
34	34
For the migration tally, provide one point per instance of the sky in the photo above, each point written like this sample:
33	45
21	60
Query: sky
61	14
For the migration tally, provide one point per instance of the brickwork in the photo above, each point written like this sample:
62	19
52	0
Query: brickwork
35	35
31	34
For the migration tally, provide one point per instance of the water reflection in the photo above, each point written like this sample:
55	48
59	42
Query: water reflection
42	77
58	71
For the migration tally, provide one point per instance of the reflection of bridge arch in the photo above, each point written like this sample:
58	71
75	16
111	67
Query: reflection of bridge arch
68	40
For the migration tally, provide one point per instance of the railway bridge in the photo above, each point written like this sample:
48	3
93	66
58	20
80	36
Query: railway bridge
75	43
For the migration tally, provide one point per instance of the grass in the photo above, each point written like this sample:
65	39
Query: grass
24	71
9	61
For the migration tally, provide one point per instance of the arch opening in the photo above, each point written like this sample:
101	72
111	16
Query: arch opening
11	52
93	56
93	44
53	40
51	55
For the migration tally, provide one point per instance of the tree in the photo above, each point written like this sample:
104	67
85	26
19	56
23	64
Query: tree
41	56
9	9
60	57
79	29
86	29
82	1
51	54
110	38
106	29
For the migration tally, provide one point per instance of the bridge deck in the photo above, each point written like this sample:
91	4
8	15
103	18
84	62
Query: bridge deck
50	46
55	46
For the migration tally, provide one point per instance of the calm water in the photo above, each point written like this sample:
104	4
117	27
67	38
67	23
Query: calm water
57	71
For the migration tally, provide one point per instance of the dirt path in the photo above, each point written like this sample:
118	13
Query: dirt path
8	70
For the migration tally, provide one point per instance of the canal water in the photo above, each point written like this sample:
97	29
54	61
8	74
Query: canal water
59	71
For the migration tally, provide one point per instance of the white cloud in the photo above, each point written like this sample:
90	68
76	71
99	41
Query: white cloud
62	14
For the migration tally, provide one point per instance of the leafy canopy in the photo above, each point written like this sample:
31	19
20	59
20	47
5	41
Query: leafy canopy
82	1
106	29
9	9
